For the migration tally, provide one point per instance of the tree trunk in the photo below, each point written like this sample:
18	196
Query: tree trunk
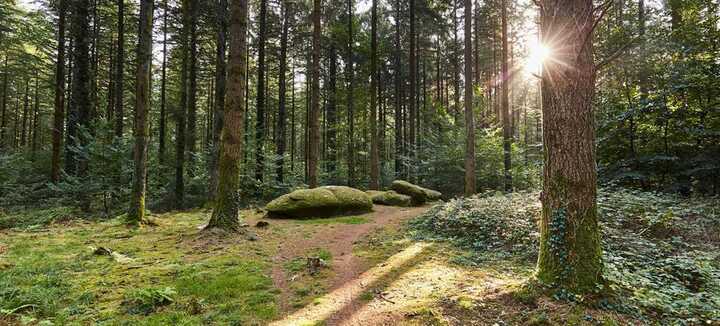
398	100
219	103
570	252
119	70
374	90
505	102
260	117
136	214
282	92
35	118
314	123
180	112
350	99
469	116
59	107
80	103
331	114
192	80
227	199
163	93
26	111
413	91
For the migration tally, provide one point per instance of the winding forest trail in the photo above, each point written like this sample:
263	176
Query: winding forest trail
351	275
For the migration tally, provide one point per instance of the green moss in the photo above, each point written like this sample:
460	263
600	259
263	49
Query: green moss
337	220
320	202
390	198
418	194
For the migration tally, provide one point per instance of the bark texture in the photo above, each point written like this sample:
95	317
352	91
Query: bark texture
225	212
570	252
469	117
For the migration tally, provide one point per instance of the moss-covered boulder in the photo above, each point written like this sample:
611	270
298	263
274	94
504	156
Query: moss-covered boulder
389	198
418	194
320	202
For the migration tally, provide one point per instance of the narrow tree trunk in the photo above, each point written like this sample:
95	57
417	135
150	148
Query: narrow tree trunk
260	117
136	213
163	93
350	99
398	100
413	92
227	199
314	123
219	103
192	80
505	102
282	92
374	89
26	111
331	115
36	117
469	116
570	253
59	105
119	70
180	112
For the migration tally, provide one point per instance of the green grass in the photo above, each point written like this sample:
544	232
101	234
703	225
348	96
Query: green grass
298	264
174	277
337	220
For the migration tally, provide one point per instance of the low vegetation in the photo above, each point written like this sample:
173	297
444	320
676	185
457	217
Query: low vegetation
660	251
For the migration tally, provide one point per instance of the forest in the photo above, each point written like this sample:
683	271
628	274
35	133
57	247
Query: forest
360	162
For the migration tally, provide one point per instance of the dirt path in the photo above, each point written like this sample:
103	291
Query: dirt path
338	239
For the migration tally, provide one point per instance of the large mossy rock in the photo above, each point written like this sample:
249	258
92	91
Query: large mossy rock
418	194
320	202
389	198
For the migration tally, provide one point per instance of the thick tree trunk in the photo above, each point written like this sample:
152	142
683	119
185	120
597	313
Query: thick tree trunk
219	103
136	213
314	123
59	105
570	252
505	102
225	212
374	90
260	106
469	116
80	103
282	85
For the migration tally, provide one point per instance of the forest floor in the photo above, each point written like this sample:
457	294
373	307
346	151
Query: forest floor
372	269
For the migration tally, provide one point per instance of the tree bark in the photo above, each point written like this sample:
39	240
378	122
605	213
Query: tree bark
570	252
350	98
226	209
505	102
260	116
282	92
119	71
192	79
314	123
469	116
136	213
59	105
80	103
180	112
219	103
374	90
163	93
398	100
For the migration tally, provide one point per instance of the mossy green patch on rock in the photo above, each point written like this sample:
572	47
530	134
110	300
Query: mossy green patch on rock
320	202
389	198
418	194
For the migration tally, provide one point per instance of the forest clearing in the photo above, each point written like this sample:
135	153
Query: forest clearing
359	162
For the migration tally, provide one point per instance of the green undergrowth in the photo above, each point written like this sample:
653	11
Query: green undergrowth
171	274
662	261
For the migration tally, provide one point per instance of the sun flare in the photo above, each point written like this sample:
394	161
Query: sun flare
538	54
